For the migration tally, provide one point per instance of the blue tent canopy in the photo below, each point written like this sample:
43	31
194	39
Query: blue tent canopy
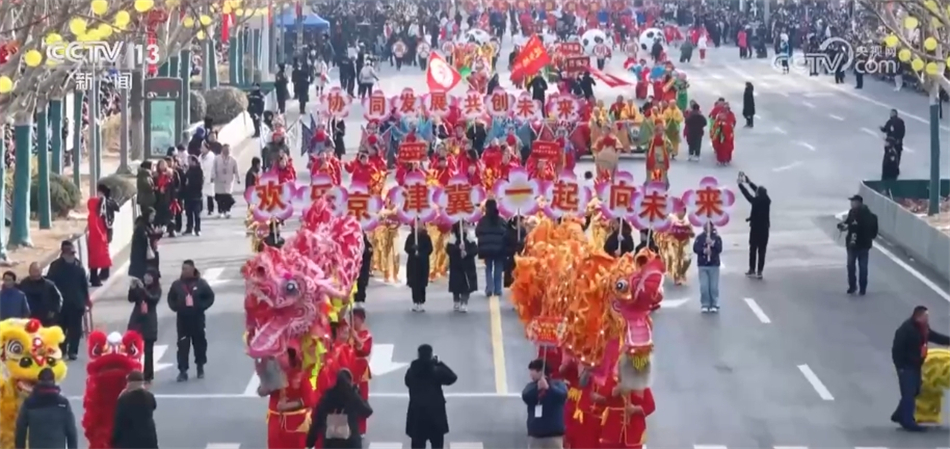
313	21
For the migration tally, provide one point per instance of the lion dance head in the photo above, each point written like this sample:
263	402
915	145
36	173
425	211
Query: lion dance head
111	358
26	348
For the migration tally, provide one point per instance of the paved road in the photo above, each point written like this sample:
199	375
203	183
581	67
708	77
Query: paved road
733	380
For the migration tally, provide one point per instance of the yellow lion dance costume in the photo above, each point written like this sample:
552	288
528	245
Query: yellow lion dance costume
935	380
26	348
596	306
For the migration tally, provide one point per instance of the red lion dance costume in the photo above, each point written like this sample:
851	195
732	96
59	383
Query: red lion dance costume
591	311
287	307
111	358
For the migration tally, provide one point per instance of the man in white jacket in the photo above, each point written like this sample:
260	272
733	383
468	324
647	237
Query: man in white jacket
207	167
225	174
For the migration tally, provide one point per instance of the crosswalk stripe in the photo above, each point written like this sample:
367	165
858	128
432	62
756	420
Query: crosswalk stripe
476	445
223	446
378	445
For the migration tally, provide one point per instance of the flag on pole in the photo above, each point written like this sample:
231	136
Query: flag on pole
440	76
532	58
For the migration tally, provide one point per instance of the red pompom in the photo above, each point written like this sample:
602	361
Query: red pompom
511	140
320	136
372	140
33	325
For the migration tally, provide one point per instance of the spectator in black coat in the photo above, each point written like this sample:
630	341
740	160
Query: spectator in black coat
620	240
492	232
748	105
343	397
192	195
891	165
418	248
145	295
462	248
908	353
46	419
517	233
143	252
365	267
69	276
13	302
647	241
42	295
861	226
759	222
587	84
189	297
894	129
695	125
134	426
426	418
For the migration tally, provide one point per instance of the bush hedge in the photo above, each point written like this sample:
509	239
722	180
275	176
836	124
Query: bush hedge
122	187
197	108
63	195
225	104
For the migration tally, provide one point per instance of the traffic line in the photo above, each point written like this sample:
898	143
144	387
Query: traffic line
715	446
815	382
405	395
757	311
836	117
251	389
786	167
807	145
808	105
380	445
909	150
779	130
790	447
223	446
498	346
868	131
870	447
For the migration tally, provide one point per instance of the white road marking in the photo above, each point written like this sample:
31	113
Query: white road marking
251	389
704	446
757	311
815	382
836	117
472	445
808	105
716	76
757	117
786	167
223	446
779	130
870	447
157	353
868	131
909	150
379	445
790	447
211	275
673	303
806	145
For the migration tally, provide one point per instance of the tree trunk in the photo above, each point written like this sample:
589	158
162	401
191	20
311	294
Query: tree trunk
933	207
23	138
137	112
56	134
43	169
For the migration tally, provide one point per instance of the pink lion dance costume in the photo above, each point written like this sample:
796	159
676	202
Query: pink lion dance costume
111	358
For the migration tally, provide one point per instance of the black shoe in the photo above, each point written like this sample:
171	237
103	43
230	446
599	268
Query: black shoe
197	233
182	376
201	371
862	292
188	232
894	418
95	283
914	427
749	274
72	357
852	290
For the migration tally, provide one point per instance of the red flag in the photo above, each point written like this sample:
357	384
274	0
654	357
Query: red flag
608	79
532	58
440	76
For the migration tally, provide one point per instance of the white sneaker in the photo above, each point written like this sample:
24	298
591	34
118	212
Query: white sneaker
463	309
705	310
422	308
227	215
455	307
714	309
220	215
415	307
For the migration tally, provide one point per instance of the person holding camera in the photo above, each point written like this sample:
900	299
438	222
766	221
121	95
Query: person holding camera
861	227
426	418
759	222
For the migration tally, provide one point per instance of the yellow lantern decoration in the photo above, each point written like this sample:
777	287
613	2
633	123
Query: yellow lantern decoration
143	6
931	68
904	55
262	12
930	44
233	4
188	22
33	58
226	9
6	85
891	41
122	18
99	7
911	22
931	5
77	26
239	12
173	3
200	35
53	38
917	64
204	20
948	62
104	30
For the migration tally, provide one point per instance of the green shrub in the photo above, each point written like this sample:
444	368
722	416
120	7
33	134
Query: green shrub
63	195
122	187
197	108
225	104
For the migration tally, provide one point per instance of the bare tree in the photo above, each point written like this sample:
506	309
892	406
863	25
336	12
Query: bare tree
919	29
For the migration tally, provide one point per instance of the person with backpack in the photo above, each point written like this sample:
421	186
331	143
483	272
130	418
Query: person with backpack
861	227
336	417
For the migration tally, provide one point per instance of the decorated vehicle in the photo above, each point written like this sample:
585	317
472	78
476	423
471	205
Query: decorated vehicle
111	358
27	349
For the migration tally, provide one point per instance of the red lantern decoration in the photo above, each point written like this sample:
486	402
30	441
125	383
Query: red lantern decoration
6	51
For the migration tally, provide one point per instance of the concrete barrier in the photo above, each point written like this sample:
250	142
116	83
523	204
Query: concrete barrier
914	235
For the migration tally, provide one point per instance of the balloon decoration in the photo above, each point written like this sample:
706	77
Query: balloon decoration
6	85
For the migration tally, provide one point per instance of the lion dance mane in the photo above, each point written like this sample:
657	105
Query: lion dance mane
111	358
288	290
26	348
935	380
594	306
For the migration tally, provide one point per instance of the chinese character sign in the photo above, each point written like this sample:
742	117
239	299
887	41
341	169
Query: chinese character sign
652	207
321	186
271	198
363	206
566	196
499	103
407	103
414	199
563	107
616	196
437	104
460	201
526	108
517	195
376	106
335	103
473	105
709	203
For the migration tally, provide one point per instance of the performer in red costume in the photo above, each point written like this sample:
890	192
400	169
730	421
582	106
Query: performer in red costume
642	81
723	134
362	342
617	109
624	422
361	169
581	421
98	209
471	166
404	169
326	163
111	359
509	160
288	410
441	170
285	169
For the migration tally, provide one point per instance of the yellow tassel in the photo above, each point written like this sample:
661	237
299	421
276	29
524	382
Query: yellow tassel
640	361
579	416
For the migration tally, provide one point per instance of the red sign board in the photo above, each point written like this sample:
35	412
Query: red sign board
570	48
545	149
576	64
412	152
